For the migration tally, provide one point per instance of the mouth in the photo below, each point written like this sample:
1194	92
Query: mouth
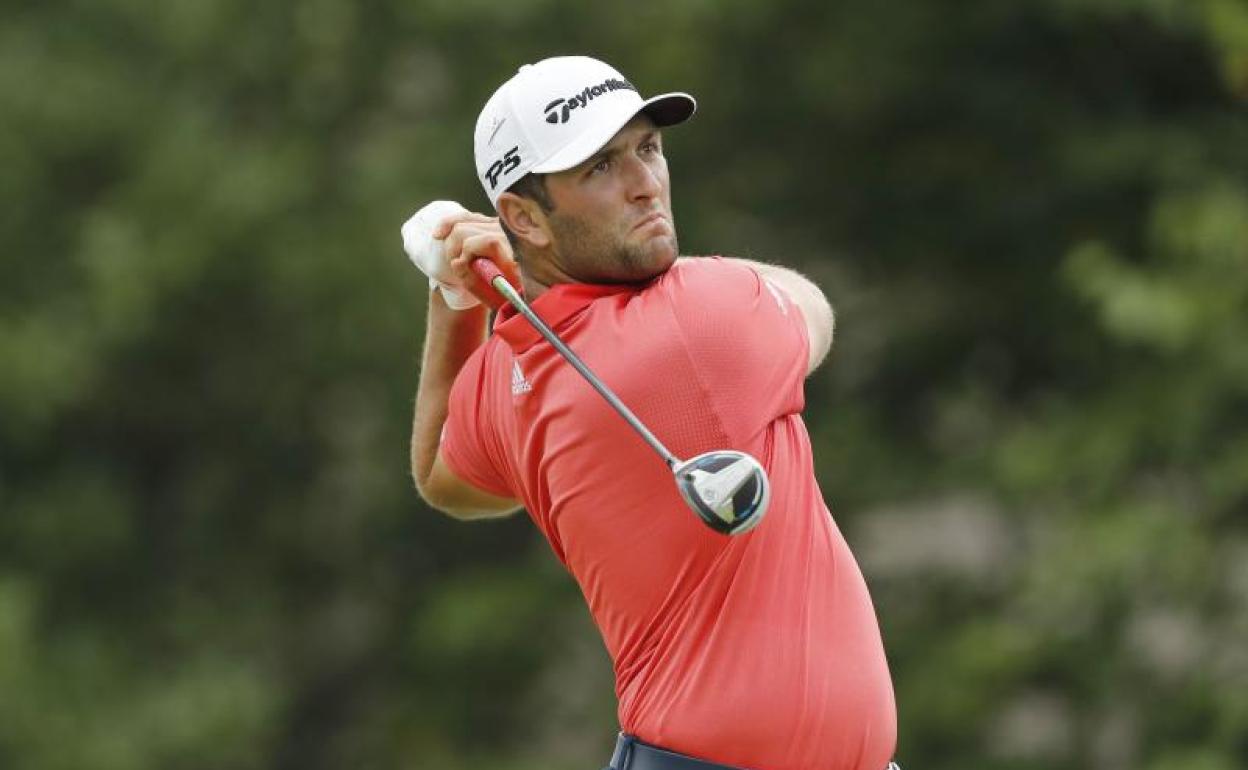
651	219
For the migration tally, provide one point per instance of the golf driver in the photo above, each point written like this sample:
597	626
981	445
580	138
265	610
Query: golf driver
728	490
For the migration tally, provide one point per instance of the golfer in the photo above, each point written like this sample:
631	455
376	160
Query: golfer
757	651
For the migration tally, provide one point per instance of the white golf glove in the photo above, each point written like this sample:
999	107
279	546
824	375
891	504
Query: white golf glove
427	253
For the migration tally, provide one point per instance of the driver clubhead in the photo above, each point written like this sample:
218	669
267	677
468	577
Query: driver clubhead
728	490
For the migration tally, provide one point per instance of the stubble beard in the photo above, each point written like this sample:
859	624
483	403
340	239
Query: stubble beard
589	254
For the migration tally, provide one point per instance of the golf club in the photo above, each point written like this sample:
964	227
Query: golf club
728	490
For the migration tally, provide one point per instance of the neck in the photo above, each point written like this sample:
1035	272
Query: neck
538	272
531	287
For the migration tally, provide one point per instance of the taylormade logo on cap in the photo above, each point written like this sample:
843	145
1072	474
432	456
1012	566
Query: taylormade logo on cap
552	115
560	109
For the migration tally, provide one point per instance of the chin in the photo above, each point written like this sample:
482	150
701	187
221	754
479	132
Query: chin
654	262
667	260
659	255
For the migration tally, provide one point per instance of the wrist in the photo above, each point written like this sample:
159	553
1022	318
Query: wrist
443	315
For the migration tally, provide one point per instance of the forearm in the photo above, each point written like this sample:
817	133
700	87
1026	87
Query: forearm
451	336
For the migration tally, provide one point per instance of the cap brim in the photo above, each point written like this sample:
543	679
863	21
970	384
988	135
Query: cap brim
670	109
664	110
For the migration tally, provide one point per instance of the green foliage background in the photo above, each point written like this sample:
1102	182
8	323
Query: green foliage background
1031	216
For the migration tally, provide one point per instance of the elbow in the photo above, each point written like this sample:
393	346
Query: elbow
830	325
421	482
443	505
434	495
429	491
822	325
450	500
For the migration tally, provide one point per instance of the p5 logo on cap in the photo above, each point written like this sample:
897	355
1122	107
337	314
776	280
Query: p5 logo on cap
503	166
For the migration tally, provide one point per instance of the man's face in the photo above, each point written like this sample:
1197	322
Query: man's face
612	216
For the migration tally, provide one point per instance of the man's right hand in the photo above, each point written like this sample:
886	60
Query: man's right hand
467	237
443	231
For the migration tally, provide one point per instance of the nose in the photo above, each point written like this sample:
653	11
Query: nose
644	181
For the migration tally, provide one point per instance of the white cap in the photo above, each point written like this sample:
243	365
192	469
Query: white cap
555	114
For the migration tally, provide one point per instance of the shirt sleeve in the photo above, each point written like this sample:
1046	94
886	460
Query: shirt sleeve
467	445
748	341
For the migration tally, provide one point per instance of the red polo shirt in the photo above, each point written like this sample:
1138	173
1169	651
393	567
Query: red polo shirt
762	650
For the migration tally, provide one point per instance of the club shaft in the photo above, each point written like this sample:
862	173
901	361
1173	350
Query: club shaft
501	285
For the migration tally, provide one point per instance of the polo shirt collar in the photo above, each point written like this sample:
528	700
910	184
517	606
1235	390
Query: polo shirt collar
555	306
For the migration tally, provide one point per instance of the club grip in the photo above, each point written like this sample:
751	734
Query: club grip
486	269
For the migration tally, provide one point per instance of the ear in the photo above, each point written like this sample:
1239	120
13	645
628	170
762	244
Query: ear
525	218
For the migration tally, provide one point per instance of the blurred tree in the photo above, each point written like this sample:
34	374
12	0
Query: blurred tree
1032	218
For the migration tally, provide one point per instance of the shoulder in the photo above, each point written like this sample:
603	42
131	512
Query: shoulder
480	370
719	300
709	274
719	282
702	265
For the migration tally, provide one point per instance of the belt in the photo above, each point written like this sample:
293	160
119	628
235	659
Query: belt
632	754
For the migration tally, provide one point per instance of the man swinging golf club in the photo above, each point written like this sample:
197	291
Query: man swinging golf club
737	641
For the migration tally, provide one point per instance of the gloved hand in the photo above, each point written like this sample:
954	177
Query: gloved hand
428	254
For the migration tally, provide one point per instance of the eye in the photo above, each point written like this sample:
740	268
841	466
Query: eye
651	146
601	167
